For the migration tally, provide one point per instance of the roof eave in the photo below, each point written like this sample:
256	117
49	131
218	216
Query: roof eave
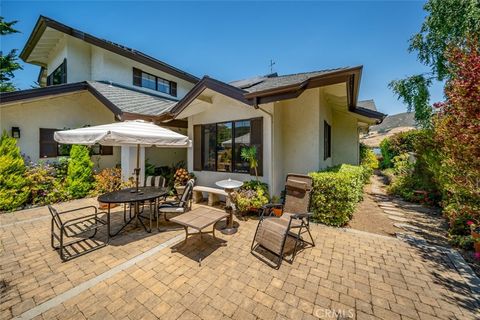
44	22
208	83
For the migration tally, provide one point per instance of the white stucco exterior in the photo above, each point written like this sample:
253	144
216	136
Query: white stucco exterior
293	138
88	62
71	110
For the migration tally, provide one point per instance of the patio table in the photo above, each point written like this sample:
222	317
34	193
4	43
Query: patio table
131	195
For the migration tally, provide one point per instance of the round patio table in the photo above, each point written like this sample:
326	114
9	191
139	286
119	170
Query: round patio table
130	195
229	185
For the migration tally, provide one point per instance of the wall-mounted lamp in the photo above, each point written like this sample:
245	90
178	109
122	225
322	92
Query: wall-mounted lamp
16	132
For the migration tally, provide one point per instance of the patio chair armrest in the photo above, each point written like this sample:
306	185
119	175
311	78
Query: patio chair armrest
82	208
75	220
301	215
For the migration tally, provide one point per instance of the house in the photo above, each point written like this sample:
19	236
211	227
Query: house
298	123
85	80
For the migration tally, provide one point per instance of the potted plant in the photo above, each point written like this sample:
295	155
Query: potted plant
249	199
475	232
277	210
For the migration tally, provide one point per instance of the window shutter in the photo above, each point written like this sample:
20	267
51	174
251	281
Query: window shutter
197	147
256	139
137	77
106	150
173	88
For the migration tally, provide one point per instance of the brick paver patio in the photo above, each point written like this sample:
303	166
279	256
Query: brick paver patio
348	275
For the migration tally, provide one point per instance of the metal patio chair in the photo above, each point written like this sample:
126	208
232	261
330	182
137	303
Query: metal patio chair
180	206
75	228
276	233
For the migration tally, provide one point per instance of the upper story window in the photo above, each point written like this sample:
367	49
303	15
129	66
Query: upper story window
147	80
59	75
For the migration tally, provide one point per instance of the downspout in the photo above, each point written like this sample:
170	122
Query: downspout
272	135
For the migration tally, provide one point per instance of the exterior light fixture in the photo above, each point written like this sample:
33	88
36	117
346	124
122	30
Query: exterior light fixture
16	132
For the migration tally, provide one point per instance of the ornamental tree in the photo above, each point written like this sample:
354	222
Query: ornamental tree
457	130
80	172
448	23
13	184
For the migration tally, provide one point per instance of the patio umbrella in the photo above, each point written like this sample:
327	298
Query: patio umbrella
128	133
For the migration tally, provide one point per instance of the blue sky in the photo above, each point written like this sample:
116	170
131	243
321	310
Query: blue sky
233	40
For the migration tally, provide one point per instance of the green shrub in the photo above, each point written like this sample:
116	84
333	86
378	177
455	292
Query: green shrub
46	184
464	242
254	184
13	184
247	199
336	191
80	172
368	158
397	144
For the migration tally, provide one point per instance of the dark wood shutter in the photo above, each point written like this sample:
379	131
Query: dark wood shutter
106	150
197	147
137	77
327	140
173	88
48	146
256	139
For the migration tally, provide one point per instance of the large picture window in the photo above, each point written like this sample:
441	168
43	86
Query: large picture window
218	146
150	81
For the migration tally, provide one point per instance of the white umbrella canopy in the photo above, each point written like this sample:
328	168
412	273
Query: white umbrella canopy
128	133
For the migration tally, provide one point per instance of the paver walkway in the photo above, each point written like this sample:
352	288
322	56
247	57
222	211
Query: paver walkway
348	275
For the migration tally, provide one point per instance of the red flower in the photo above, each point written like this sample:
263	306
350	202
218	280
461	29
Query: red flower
469	222
477	255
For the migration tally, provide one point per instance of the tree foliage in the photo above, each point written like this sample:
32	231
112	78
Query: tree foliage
413	91
448	24
80	172
13	184
457	131
8	62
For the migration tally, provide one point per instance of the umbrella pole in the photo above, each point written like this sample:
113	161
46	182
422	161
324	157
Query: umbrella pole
137	170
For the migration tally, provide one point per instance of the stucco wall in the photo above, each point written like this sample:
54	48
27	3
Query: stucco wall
345	148
226	109
69	111
72	111
88	62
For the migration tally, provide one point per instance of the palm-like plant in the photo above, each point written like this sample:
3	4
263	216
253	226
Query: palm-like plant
250	154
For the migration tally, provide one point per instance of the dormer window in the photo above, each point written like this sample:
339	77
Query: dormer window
147	80
59	75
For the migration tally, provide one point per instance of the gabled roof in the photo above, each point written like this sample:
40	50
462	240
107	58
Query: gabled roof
125	102
44	22
269	88
367	104
274	81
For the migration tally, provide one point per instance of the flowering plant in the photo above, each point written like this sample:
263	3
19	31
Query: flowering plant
474	226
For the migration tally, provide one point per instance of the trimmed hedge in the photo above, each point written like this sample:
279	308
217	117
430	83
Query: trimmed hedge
336	191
